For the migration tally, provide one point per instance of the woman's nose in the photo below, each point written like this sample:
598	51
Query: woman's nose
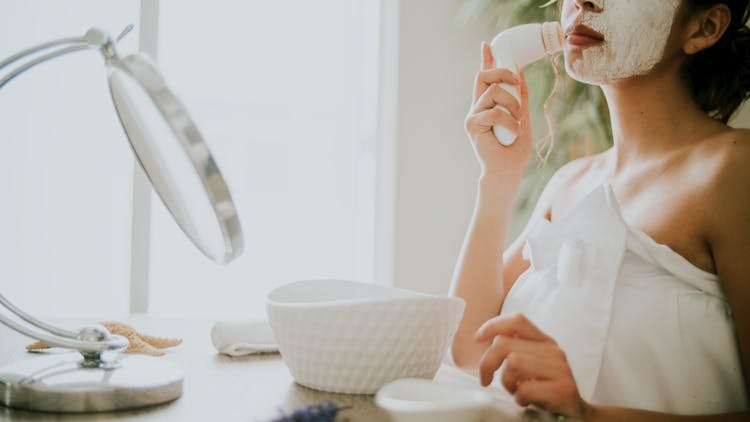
590	5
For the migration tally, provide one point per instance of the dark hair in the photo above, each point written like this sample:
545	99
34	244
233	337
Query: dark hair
719	76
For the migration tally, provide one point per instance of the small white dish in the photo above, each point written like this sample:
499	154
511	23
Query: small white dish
417	400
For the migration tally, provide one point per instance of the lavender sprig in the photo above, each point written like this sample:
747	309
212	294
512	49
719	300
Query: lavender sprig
322	412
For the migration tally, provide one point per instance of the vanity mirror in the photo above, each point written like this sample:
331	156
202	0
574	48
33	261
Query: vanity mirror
177	161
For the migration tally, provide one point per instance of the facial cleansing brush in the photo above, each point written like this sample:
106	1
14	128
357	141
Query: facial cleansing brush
516	47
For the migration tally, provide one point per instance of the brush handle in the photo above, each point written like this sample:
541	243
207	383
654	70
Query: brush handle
517	47
504	135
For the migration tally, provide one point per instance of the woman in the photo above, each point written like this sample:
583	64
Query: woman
625	298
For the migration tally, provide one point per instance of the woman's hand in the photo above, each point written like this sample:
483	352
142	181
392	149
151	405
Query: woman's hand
497	160
536	370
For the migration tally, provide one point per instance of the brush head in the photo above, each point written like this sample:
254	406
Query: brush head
552	36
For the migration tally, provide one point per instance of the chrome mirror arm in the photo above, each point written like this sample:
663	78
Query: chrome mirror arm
93	340
21	69
40	47
62	332
93	39
114	343
98	347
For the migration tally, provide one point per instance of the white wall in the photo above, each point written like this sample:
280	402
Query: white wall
742	118
436	170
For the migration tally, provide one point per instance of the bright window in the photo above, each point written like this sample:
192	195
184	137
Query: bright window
65	166
285	95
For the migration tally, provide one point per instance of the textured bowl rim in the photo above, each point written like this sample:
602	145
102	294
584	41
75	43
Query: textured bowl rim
409	295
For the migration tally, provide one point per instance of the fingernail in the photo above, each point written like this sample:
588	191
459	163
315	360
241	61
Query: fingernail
517	78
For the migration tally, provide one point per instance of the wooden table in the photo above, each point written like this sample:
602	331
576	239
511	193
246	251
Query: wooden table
219	387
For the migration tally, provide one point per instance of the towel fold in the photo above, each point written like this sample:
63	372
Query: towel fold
239	338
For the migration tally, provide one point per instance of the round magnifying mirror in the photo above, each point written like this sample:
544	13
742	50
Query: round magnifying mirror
174	156
181	169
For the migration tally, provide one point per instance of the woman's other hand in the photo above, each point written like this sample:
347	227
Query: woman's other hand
536	370
495	159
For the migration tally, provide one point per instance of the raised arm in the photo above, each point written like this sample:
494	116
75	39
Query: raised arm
483	274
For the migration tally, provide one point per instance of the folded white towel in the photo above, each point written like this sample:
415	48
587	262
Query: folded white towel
243	337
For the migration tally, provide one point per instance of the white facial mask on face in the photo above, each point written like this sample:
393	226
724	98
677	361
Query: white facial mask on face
635	35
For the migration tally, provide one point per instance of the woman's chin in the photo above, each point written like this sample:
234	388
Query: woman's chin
582	76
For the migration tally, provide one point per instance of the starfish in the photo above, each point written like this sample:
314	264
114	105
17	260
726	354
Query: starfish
139	343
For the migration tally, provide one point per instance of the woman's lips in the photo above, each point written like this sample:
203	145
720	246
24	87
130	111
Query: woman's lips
582	35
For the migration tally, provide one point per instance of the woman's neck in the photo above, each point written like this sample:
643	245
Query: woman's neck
652	116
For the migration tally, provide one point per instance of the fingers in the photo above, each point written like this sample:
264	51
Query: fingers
496	106
484	121
538	374
485	78
517	325
521	367
560	397
536	369
524	89
537	392
488	62
496	95
502	349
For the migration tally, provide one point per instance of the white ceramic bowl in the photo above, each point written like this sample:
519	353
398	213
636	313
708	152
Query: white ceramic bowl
350	337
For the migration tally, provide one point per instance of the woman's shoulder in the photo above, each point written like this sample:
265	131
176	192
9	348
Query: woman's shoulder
729	137
579	176
572	171
572	181
723	162
725	157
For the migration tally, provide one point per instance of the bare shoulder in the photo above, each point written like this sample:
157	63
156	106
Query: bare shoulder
576	171
566	180
735	147
724	162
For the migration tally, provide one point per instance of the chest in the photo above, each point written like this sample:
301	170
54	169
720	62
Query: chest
671	214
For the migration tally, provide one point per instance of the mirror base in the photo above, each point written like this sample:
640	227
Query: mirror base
57	383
